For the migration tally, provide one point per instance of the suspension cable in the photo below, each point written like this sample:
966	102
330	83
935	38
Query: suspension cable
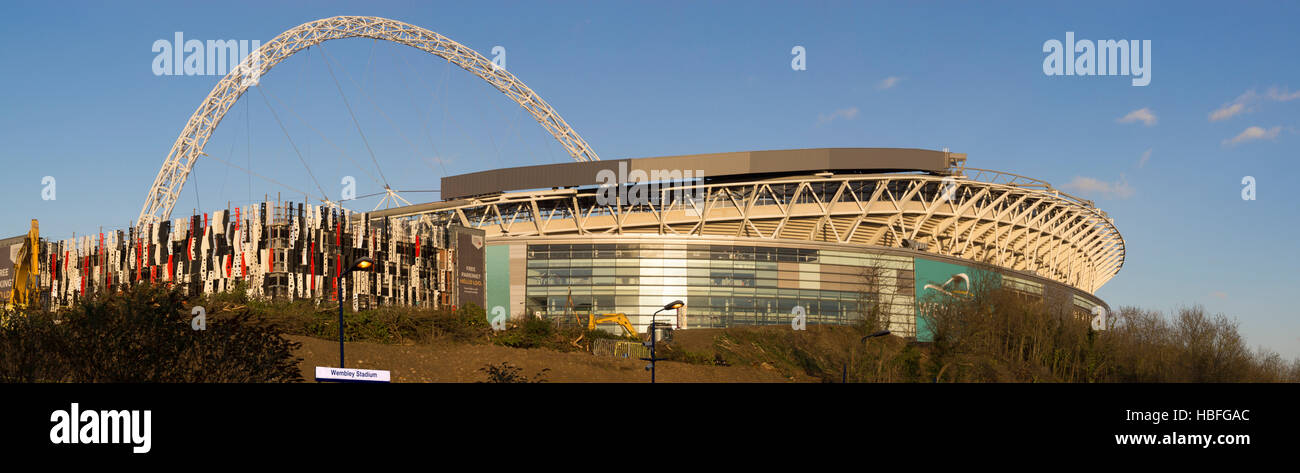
324	195
259	176
424	122
446	112
325	55
322	135
248	141
381	111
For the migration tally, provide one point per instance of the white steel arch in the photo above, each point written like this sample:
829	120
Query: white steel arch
180	160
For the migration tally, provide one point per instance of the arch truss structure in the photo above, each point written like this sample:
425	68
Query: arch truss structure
189	146
1007	220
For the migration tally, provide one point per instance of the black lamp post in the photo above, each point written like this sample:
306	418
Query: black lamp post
845	375
362	264
671	305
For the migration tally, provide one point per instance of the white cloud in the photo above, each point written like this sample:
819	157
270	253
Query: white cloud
1249	101
1243	103
1144	115
1282	95
1142	162
1089	186
1227	111
888	82
1254	133
440	160
844	113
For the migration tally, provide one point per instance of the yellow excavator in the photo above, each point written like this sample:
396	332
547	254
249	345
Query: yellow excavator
619	318
22	263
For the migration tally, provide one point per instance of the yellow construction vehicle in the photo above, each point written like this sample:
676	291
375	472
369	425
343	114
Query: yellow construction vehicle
19	270
619	318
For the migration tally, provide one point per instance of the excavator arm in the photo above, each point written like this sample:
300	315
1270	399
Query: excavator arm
616	318
26	271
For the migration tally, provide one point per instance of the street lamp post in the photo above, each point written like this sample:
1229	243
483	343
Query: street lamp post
844	377
671	305
362	264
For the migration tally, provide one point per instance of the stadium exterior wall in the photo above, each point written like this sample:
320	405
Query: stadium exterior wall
725	282
749	236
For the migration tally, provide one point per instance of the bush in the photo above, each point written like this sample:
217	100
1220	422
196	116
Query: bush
386	325
508	373
143	334
531	333
999	335
382	325
669	352
466	323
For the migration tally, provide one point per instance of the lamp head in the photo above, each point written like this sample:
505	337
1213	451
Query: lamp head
677	304
362	264
877	334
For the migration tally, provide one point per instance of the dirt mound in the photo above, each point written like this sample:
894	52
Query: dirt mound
447	362
819	353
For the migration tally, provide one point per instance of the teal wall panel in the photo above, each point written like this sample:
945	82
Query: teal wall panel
498	277
942	275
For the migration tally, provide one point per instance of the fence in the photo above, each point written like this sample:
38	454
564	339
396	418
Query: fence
619	348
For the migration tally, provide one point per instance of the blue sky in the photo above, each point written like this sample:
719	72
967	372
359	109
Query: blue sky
80	103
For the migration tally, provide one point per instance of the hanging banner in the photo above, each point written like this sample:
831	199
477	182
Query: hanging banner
9	252
469	243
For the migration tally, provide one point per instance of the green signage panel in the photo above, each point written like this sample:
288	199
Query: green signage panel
936	280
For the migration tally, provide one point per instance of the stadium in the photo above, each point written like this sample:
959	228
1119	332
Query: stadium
746	237
743	238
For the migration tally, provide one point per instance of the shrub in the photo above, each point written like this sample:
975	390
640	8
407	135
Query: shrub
531	333
380	325
508	373
465	323
670	353
143	334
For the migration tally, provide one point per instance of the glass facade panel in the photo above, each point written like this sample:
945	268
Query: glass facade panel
722	284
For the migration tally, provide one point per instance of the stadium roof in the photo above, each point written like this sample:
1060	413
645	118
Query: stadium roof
713	166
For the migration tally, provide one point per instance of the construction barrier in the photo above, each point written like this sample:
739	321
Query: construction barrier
619	348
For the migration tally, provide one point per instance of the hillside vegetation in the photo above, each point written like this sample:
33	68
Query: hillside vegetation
988	335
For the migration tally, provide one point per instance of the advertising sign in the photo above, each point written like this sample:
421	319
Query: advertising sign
9	249
937	280
469	265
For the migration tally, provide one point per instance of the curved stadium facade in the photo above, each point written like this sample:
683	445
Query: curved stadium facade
746	237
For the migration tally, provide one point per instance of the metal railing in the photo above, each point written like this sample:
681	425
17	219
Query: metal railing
619	348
